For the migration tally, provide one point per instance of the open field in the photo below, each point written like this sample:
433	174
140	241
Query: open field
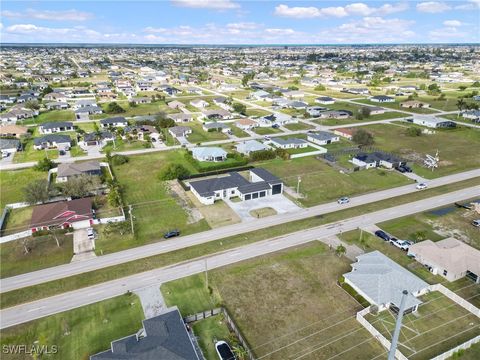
12	183
78	333
256	112
298	126
51	116
94	277
282	303
199	135
439	325
321	183
455	147
396	105
266	130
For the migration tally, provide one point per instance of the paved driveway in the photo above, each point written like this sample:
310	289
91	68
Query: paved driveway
83	247
280	203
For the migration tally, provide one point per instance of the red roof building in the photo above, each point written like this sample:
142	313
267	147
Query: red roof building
61	214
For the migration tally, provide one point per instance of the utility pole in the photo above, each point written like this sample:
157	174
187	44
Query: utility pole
398	325
299	180
131	218
206	273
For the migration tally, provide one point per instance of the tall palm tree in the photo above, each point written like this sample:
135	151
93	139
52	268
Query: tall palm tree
460	105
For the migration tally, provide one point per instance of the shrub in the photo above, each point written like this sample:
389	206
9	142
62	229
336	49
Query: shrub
119	159
413	131
45	164
362	137
114	108
262	155
173	171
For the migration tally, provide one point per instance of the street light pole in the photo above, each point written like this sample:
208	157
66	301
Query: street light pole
398	325
299	180
206	273
131	218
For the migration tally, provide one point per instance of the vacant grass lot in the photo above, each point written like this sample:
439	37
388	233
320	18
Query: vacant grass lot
94	277
414	228
396	105
43	253
266	130
254	112
298	126
321	183
455	146
78	333
199	135
282	303
12	183
52	116
439	325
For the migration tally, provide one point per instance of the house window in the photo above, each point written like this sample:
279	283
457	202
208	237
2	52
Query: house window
445	272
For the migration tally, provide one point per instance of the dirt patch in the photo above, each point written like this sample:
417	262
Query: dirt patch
180	196
263	212
217	215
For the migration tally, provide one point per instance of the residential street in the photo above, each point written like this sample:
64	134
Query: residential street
164	246
48	306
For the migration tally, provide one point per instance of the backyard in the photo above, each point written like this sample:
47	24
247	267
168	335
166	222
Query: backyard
258	294
12	183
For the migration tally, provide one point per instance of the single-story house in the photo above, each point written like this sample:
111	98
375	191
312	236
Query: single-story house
117	121
290	143
295	104
216	114
471	114
356	91
141	100
84	112
9	146
345	133
376	159
180	117
52	141
450	258
261	183
54	96
249	146
276	119
260	95
162	337
13	130
215	126
293	94
57	105
65	171
54	127
432	121
335	114
414	104
246	124
315	110
180	131
322	137
382	99
175	104
84	103
222	102
381	281
63	214
374	110
101	139
199	103
325	100
213	154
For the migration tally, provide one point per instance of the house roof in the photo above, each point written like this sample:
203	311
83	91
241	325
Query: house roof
13	129
451	254
207	187
245	122
114	120
383	280
250	145
52	138
180	116
205	152
377	156
288	141
219	112
322	135
215	125
72	169
165	338
180	130
60	212
55	125
97	136
9	144
265	175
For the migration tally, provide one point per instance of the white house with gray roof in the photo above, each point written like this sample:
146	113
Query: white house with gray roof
249	146
381	281
290	143
260	184
212	154
322	137
54	127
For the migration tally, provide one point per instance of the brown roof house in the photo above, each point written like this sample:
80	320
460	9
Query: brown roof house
65	171
13	130
77	213
450	258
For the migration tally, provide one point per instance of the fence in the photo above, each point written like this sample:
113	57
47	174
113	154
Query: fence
375	333
310	153
231	325
16	236
455	298
464	346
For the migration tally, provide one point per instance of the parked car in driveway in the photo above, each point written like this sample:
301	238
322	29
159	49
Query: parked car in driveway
223	351
421	186
171	233
401	169
476	223
343	200
402	244
382	235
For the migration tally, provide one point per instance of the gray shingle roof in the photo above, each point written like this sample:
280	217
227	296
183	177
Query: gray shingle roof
9	144
52	138
207	187
55	125
266	175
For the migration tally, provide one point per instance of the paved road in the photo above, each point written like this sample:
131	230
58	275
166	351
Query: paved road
73	299
120	257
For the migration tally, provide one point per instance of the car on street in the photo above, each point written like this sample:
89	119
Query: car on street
476	223
275	126
421	186
224	351
266	137
171	233
382	235
343	200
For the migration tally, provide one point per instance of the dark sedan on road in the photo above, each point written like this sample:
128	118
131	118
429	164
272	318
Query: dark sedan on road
171	234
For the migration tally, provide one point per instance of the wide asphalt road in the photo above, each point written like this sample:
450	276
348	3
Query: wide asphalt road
73	299
61	271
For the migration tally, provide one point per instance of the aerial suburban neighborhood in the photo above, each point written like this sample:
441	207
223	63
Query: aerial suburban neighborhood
240	180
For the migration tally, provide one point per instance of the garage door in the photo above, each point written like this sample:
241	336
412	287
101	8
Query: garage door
248	197
277	189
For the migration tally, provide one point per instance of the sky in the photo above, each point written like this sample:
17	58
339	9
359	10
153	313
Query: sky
240	22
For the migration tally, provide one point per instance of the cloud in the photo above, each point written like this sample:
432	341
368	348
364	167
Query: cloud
358	9
207	4
280	32
433	7
63	15
452	23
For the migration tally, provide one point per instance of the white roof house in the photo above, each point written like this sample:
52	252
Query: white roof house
215	154
432	121
450	258
247	147
381	282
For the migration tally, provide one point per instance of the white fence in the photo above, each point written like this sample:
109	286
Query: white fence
455	298
376	334
109	220
16	236
311	153
463	346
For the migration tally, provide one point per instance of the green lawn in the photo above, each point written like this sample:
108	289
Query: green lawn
141	109
396	105
209	331
124	145
266	130
81	332
12	183
31	154
199	135
17	220
239	132
298	126
254	112
414	228
321	183
94	277
273	296
52	116
43	253
301	150
455	147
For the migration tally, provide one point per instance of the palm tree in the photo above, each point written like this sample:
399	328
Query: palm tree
240	352
460	105
340	250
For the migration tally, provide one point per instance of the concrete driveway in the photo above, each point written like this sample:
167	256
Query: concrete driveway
83	247
279	203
